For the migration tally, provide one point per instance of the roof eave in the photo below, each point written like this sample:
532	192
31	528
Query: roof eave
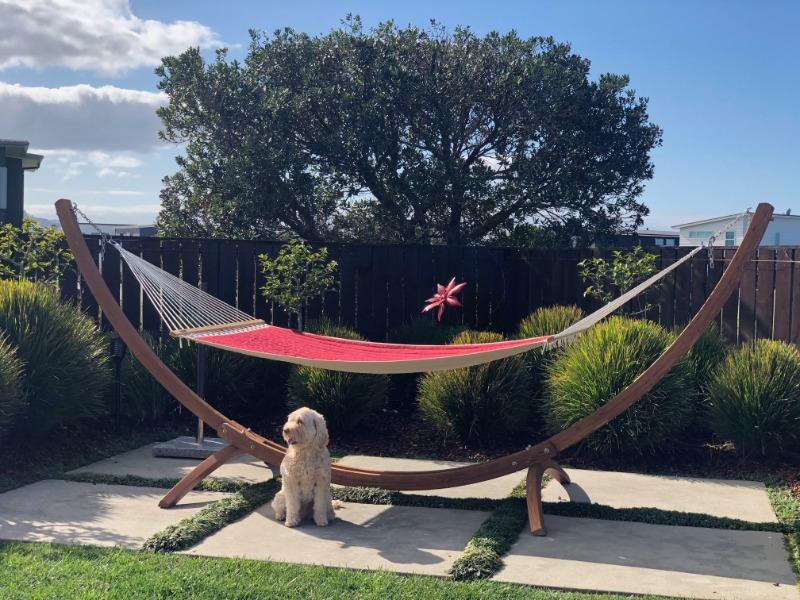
31	162
701	221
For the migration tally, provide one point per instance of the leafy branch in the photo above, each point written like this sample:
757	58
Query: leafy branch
296	275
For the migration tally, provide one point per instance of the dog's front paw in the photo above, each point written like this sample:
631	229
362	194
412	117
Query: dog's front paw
292	522
321	521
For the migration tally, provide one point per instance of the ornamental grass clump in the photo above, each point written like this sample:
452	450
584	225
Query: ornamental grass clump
705	356
64	357
601	363
482	405
754	398
425	331
346	399
12	401
547	320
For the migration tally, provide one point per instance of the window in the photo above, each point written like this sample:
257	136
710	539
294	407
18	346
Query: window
700	234
730	238
659	241
671	242
3	188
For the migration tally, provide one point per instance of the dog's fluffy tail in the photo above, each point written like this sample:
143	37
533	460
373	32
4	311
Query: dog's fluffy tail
337	505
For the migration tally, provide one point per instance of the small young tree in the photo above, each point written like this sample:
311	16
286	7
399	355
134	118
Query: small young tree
608	279
32	252
296	275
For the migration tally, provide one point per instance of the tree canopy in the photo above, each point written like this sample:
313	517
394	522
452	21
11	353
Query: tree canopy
404	134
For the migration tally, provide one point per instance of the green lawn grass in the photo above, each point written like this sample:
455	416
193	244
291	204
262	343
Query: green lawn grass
44	571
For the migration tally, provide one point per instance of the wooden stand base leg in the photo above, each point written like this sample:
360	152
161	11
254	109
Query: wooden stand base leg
554	469
533	484
200	472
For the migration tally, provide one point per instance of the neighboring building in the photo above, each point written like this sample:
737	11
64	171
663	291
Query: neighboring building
783	230
642	237
14	161
122	229
654	237
137	230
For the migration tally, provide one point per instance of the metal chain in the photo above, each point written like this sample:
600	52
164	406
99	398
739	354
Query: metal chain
104	237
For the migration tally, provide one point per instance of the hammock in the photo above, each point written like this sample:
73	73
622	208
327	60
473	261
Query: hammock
193	314
538	459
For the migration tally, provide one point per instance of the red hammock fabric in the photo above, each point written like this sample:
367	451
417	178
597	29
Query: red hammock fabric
356	356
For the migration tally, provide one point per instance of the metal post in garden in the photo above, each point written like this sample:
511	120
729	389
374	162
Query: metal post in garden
118	350
201	388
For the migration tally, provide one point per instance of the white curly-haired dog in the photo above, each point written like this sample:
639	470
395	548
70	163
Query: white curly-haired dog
305	471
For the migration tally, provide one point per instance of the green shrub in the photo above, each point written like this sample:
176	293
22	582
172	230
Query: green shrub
422	330
298	274
142	398
484	404
33	252
547	320
235	384
345	399
12	402
704	358
65	358
754	398
601	363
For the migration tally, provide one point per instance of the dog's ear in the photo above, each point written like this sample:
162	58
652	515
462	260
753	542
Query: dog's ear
320	431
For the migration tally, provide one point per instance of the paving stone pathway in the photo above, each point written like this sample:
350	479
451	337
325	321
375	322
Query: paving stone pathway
577	553
397	538
638	558
68	512
495	488
142	463
735	499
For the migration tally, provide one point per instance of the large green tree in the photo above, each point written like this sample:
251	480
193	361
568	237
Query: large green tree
402	134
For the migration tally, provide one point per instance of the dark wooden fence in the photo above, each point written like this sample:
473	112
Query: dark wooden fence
382	286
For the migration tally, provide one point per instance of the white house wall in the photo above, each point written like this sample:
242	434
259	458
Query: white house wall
783	230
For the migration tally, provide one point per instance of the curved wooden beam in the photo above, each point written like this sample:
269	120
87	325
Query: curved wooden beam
273	453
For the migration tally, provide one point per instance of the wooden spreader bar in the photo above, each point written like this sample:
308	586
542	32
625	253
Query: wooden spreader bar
212	328
537	459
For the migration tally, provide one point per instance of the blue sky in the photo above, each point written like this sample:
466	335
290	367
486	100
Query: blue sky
723	79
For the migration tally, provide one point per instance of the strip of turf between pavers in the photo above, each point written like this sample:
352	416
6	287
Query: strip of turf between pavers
210	484
482	557
89	573
787	509
212	518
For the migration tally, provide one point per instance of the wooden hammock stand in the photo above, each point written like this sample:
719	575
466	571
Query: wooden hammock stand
537	459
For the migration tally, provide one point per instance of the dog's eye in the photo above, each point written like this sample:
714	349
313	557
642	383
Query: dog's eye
299	421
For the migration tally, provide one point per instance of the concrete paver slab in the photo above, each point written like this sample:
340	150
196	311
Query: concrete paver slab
141	462
67	512
637	558
494	488
364	536
735	499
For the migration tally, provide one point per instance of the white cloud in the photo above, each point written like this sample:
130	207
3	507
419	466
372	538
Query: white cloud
81	117
103	36
68	164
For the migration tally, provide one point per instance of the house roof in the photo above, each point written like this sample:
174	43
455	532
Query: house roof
19	149
711	220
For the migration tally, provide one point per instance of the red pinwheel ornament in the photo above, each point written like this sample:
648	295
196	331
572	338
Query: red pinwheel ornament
444	297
